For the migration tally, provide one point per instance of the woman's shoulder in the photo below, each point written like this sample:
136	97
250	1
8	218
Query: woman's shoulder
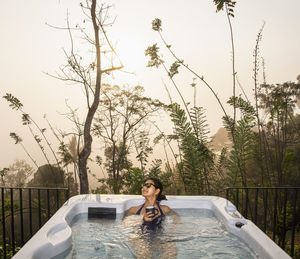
166	209
133	210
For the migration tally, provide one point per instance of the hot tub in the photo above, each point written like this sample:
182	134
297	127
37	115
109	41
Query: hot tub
55	236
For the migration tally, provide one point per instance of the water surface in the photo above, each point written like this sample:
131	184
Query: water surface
197	234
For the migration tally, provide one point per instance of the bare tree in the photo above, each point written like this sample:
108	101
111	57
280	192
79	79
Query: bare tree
89	75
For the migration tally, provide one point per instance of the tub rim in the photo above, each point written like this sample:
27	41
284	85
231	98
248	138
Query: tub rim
55	236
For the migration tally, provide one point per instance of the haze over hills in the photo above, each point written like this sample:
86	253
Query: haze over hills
220	140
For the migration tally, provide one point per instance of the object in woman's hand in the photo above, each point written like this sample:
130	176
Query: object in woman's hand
152	209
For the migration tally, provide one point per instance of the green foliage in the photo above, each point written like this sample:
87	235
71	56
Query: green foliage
38	139
242	151
26	119
197	159
156	24
135	177
228	3
174	69
245	107
133	180
199	122
156	172
284	227
66	156
4	171
48	176
9	251
122	125
100	190
18	174
16	138
296	251
179	118
155	59
279	137
144	149
267	157
244	139
278	99
288	161
14	102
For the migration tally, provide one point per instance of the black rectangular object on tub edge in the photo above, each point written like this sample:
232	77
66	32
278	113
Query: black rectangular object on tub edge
102	212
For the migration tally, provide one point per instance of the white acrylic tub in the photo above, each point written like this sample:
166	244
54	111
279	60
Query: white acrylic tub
55	236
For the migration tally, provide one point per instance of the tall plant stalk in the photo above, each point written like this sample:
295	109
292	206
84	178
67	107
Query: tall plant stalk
156	25
229	13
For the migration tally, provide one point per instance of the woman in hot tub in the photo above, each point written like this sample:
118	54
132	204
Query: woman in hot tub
152	192
150	241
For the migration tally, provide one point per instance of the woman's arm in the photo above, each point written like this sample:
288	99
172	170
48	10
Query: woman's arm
170	248
127	220
168	211
131	211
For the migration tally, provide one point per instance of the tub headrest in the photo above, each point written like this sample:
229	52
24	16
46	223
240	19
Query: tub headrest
101	212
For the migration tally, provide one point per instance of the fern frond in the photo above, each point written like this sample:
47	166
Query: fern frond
199	121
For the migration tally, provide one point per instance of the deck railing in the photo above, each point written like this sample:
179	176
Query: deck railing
23	212
275	210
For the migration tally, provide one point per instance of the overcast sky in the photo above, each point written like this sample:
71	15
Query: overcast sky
198	35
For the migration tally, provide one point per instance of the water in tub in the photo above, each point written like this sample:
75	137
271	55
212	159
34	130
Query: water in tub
198	234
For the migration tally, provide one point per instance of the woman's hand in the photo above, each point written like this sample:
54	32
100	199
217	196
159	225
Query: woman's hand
149	216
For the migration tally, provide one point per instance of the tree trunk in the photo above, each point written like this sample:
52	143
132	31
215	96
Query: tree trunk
84	183
86	151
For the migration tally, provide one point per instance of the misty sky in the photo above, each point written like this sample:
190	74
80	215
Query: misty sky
198	35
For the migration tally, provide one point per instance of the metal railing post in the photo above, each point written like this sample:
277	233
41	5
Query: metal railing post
67	194
284	218
48	204
3	222
12	221
274	215
39	208
227	193
294	222
21	216
265	210
247	197
255	205
30	212
237	198
57	199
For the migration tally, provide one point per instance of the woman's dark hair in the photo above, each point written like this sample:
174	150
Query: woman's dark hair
158	185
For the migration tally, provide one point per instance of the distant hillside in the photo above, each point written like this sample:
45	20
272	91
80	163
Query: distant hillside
220	140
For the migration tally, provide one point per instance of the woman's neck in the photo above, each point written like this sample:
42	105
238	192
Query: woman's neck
150	201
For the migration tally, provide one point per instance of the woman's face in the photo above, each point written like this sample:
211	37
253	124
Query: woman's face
149	190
